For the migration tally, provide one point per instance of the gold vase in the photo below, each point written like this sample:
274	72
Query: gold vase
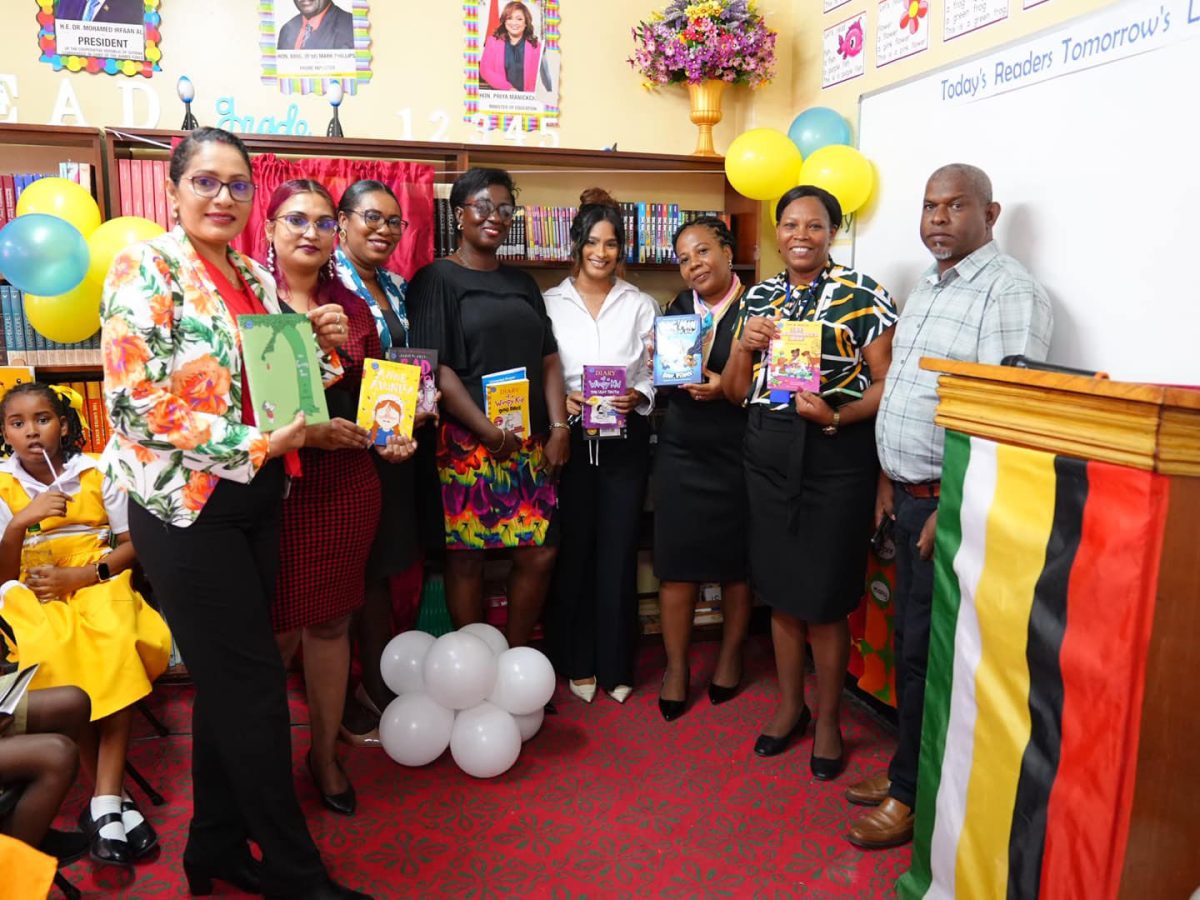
706	112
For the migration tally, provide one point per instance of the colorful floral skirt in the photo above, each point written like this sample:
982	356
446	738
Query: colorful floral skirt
489	503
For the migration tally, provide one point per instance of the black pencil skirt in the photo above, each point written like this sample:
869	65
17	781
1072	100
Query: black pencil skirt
812	499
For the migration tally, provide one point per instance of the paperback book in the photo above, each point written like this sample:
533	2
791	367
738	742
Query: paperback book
678	350
388	398
600	385
795	358
280	355
506	400
426	360
13	687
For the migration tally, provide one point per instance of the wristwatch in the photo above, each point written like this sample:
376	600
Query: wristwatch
832	427
102	572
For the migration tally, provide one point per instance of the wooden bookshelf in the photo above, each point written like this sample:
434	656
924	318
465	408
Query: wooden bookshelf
40	148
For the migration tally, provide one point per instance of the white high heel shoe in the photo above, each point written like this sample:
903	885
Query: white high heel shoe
585	692
621	692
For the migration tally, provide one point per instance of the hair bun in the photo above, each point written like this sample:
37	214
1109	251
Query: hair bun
598	197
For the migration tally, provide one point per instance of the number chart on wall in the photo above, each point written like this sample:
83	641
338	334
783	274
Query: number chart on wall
1088	134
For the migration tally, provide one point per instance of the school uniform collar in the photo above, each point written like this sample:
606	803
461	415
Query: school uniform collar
69	476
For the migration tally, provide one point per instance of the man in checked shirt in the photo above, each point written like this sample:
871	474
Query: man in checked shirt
975	304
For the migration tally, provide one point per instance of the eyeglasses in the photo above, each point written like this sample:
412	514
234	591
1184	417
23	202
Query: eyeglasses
207	186
375	219
485	208
325	225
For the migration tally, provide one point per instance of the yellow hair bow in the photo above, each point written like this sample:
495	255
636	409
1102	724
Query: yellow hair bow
71	397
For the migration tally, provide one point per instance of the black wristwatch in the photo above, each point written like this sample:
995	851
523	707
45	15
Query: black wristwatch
102	571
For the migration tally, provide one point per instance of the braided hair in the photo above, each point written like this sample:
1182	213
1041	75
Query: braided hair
73	443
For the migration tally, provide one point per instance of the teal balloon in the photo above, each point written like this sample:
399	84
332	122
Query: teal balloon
42	254
818	127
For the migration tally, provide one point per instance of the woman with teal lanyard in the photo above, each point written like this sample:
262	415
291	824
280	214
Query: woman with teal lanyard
810	461
370	226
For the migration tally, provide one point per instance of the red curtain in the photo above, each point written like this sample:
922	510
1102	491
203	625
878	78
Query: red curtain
411	182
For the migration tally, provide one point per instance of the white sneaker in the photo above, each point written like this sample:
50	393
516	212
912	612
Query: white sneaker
585	692
621	692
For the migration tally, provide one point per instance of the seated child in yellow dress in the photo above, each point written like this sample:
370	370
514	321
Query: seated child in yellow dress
75	612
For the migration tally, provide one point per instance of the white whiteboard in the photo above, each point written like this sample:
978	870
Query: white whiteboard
1096	164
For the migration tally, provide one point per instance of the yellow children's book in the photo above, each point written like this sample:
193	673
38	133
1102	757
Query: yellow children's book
11	376
387	401
507	406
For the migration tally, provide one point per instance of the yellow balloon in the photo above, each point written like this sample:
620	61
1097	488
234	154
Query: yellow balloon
842	171
762	164
114	236
63	198
66	318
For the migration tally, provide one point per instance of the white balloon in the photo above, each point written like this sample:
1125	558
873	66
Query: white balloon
402	662
524	681
415	729
489	634
459	670
530	723
485	741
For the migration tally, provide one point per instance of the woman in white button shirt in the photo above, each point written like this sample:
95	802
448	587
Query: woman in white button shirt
599	319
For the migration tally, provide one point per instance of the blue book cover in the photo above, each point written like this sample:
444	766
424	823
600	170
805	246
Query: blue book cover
10	333
491	378
678	350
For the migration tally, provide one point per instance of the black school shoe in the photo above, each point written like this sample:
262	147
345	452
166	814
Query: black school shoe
142	839
65	846
106	851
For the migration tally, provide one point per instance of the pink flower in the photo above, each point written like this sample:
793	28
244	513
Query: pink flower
912	17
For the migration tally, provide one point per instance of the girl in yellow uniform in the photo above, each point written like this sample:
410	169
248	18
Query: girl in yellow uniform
65	538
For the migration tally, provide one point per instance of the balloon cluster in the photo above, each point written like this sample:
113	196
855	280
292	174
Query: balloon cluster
467	691
57	253
764	164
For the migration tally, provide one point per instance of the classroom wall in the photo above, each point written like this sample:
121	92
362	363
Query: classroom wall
418	69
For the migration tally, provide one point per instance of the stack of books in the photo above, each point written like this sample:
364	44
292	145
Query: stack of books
142	191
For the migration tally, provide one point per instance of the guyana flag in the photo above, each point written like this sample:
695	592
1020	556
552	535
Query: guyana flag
1045	575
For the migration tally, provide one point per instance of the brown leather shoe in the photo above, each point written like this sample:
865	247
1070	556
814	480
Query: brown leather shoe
871	792
889	825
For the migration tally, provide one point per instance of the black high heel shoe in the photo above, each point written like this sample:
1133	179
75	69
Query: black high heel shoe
719	693
245	874
673	709
343	804
769	745
825	768
106	851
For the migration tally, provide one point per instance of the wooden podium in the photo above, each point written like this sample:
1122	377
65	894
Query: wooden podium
1060	747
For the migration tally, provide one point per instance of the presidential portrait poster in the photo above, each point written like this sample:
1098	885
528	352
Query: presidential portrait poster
513	63
113	37
307	44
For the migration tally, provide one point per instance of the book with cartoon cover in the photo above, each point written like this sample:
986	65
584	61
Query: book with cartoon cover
388	398
280	355
427	361
794	357
600	385
678	350
506	404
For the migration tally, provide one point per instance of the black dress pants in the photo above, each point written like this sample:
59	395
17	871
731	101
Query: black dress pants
215	580
594	607
913	603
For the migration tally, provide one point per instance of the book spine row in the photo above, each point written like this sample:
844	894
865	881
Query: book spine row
22	345
12	184
95	414
142	191
542	233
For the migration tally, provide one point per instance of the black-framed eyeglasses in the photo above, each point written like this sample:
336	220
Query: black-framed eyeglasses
484	208
375	219
299	223
208	186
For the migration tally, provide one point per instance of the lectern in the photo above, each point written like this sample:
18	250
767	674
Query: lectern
1060	749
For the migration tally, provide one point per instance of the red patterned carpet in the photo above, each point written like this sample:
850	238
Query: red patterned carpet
607	801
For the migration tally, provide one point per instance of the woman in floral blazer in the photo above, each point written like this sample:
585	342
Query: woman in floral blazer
205	486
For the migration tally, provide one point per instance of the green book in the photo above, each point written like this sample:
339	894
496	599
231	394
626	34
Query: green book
280	356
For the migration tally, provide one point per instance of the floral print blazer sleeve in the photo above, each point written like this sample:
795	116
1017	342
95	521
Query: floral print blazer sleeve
173	378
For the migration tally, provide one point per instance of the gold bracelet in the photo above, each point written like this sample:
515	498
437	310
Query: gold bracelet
500	446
